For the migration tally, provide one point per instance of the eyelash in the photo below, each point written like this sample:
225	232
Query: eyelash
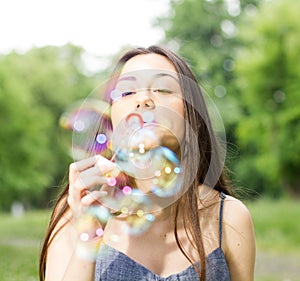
127	93
162	91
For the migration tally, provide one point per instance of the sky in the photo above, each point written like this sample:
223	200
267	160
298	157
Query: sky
101	27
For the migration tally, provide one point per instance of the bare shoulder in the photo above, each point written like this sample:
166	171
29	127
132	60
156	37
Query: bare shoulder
236	212
237	221
238	239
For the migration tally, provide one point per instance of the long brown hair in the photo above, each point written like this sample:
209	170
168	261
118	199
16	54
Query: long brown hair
209	167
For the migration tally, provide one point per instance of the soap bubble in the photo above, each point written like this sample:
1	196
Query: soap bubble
90	124
90	227
148	153
134	206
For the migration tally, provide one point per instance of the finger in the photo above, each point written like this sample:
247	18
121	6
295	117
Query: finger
104	165
100	163
93	197
84	183
78	191
81	165
88	179
86	163
89	172
81	180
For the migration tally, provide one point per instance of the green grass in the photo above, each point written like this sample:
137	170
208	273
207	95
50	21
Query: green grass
20	241
276	223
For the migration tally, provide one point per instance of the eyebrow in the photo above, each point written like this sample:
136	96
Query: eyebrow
126	78
162	74
158	75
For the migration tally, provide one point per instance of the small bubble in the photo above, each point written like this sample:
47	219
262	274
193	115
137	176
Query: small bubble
233	7
150	217
228	28
140	213
228	65
177	170
115	94
99	232
250	10
216	41
111	181
148	116
168	170
114	238
279	96
220	91
101	138
84	237
124	210
155	181
127	189
79	126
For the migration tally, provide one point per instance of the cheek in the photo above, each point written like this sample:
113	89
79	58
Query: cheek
179	108
178	121
118	112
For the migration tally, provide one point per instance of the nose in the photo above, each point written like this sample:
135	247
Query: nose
144	101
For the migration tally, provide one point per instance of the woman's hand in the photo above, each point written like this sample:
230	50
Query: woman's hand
86	178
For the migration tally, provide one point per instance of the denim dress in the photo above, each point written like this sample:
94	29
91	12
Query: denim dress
113	265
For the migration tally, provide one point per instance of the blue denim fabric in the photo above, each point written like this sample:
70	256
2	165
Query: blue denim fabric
112	265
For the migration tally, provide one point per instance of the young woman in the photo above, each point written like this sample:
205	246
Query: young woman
203	234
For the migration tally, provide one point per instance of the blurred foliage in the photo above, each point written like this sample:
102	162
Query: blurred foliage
35	88
268	90
245	55
204	33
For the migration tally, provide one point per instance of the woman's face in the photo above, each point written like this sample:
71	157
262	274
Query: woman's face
150	83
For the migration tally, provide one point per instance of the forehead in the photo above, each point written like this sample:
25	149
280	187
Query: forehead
148	62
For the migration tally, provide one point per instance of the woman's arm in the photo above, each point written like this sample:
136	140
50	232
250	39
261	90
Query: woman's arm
239	240
63	264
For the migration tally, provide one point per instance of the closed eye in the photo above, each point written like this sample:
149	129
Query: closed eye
163	91
127	93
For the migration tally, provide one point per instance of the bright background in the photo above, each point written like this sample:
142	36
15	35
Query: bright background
101	27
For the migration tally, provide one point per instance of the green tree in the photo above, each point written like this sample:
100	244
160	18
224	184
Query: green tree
268	82
205	34
35	89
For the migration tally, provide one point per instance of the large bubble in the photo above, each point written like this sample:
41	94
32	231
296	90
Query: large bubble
149	151
147	154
